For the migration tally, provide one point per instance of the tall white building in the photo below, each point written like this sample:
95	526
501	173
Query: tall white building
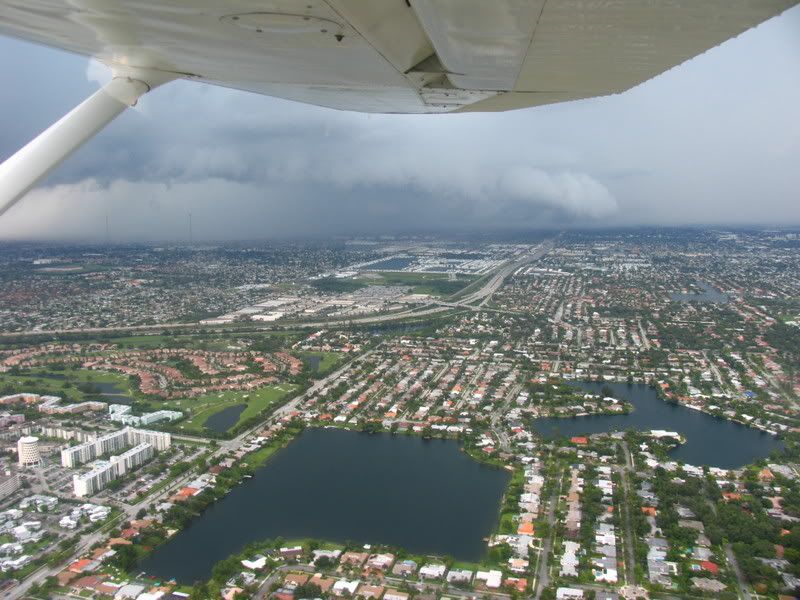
136	456
93	481
107	471
8	484
113	442
28	451
160	440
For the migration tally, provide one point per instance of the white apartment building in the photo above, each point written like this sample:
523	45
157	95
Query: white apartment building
8	484
105	472
160	415
113	442
126	418
64	433
136	456
83	453
160	440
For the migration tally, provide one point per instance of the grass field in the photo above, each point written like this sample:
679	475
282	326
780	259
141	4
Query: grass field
201	408
172	341
61	382
327	361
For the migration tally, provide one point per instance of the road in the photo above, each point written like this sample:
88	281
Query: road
497	414
630	555
490	287
643	335
743	587
543	572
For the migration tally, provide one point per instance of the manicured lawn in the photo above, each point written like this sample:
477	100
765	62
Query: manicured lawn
173	341
202	407
36	380
259	457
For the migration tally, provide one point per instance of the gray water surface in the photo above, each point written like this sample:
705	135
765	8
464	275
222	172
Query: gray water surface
709	440
329	484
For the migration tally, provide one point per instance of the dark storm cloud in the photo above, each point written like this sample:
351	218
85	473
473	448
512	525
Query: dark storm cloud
712	141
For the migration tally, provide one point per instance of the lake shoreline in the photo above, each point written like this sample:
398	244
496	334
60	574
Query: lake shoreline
710	439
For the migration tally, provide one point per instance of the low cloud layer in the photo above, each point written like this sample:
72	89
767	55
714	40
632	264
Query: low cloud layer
712	141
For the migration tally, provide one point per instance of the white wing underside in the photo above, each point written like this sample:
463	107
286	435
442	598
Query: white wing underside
393	56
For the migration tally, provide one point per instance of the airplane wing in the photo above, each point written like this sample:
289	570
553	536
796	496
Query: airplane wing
388	56
415	56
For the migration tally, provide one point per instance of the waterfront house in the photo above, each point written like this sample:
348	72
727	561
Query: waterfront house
292	553
405	568
491	579
380	562
355	559
331	555
131	590
459	576
256	564
432	571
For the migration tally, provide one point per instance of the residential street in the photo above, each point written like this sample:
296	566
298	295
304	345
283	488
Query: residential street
630	540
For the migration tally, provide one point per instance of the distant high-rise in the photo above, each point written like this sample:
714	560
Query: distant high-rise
28	451
9	483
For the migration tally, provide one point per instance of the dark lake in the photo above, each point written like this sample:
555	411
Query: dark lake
312	361
709	294
395	263
110	391
223	420
425	496
709	440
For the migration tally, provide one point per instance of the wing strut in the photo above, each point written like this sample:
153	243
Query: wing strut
21	171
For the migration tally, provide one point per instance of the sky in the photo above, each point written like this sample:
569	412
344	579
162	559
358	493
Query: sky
714	141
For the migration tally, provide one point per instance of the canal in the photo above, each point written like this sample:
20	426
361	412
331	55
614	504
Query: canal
424	496
709	440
